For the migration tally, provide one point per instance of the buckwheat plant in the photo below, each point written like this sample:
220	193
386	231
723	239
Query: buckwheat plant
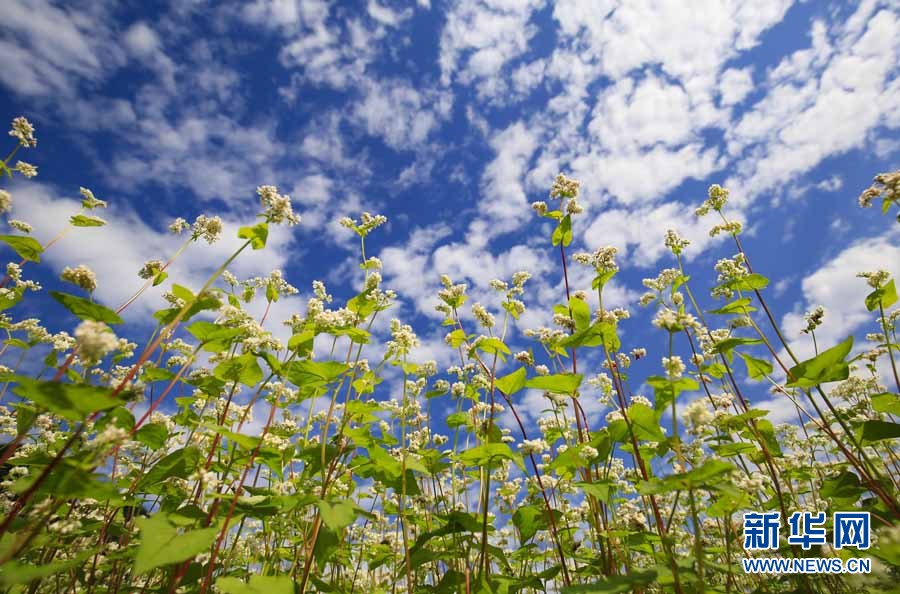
230	452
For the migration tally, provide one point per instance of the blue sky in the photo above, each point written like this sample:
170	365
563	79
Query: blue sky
451	118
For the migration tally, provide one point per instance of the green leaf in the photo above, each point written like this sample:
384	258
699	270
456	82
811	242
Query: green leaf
709	474
493	346
886	403
243	369
86	309
871	431
756	368
843	489
883	297
512	383
728	345
214	337
599	333
180	463
827	366
162	544
456	338
259	584
644	423
13	572
153	436
738	306
751	282
666	390
618	584
581	313
563	232
314	373
337	515
70	401
529	519
81	220
457	419
28	248
601	489
257	234
560	383
483	455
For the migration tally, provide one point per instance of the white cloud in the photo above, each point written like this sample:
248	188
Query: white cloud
735	85
400	114
51	50
831	184
506	202
117	251
835	287
481	37
820	102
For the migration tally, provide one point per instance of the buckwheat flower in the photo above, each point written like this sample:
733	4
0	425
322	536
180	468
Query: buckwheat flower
675	242
482	316
5	202
697	414
520	278
524	357
603	259
588	453
373	263
539	207
276	285
573	207
613	416
179	226
89	201
674	366
277	207
813	319
717	196
876	278
209	228
95	340
887	185
533	446
403	339
638	399
23	131
26	169
541	370
320	292
230	278
150	269
731	227
498	285
20	226
564	187
638	353
80	276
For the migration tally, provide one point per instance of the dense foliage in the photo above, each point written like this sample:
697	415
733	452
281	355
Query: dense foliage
142	469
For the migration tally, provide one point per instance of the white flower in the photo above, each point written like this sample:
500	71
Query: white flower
277	206
89	201
533	446
95	340
674	366
697	414
26	169
150	269
23	131
209	228
179	226
20	226
564	187
5	202
81	276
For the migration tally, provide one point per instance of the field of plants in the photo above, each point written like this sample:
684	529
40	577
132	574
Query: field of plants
134	464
